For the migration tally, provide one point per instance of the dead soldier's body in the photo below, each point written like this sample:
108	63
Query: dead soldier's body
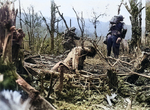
74	61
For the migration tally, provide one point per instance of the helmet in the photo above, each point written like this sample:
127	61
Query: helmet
120	17
12	28
72	29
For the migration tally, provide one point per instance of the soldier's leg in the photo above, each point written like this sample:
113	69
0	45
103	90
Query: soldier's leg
109	45
62	70
116	52
115	47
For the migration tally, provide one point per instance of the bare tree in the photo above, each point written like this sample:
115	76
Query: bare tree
33	23
119	6
20	14
81	24
53	19
95	21
51	28
147	22
41	46
135	10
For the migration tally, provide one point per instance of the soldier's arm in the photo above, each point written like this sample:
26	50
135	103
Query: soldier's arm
75	62
77	38
75	58
124	31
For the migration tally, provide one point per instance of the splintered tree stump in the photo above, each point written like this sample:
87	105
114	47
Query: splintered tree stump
7	20
112	78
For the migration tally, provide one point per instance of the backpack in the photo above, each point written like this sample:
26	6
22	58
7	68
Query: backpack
116	23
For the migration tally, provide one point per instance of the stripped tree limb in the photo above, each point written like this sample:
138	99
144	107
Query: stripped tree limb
132	72
117	60
44	71
62	17
100	53
42	43
36	100
119	7
46	23
129	106
81	24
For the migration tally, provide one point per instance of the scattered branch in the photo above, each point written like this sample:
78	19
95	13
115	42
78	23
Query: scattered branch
81	24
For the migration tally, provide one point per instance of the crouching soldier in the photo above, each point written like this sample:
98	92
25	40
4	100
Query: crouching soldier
68	38
74	61
117	33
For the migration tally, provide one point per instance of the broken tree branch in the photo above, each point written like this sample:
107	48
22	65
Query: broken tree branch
36	100
62	17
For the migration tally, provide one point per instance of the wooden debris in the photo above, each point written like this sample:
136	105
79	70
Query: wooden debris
113	80
87	80
7	20
37	101
129	104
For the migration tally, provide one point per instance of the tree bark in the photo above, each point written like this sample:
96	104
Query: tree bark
7	20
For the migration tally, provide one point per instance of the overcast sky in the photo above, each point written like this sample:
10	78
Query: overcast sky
108	7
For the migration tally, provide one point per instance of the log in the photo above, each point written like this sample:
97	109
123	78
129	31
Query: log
30	59
35	71
37	101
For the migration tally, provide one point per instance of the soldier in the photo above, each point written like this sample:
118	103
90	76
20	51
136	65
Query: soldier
74	61
68	38
117	33
18	36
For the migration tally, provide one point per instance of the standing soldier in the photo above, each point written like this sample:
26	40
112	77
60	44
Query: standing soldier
68	38
18	36
117	33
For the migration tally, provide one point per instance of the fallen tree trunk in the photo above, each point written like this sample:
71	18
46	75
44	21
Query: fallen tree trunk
37	101
82	73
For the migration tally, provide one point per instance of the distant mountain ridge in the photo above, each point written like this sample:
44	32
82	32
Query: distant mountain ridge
102	27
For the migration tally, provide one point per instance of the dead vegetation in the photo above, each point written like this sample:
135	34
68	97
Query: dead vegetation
91	88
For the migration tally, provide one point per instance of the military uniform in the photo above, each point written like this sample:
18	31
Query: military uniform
68	38
117	32
74	61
